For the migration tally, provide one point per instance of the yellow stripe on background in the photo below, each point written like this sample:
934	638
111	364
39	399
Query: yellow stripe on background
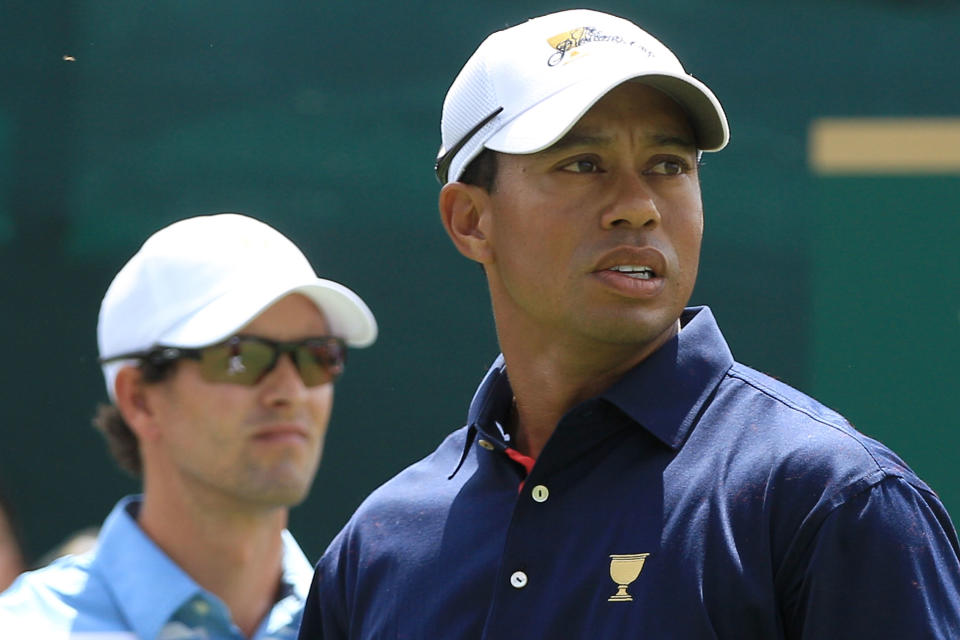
866	146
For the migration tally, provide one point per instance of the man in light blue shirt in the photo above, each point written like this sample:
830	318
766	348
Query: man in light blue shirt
220	347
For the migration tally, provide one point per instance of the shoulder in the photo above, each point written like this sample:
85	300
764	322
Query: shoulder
811	459
828	496
49	602
396	524
405	508
796	459
801	434
422	485
59	582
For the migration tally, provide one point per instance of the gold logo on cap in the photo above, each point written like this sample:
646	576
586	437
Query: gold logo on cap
624	569
564	43
567	38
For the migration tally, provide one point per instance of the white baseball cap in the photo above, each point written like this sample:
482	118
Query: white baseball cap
199	280
526	86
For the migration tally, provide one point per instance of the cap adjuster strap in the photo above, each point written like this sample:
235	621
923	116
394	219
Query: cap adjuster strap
443	162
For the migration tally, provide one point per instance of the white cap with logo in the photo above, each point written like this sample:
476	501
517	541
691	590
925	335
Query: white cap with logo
200	280
526	86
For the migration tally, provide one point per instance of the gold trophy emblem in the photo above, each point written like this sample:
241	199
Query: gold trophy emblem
624	569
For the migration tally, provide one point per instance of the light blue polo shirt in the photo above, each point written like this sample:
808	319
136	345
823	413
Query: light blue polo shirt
128	588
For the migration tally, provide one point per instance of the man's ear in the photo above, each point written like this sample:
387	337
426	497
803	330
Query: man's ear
133	401
465	211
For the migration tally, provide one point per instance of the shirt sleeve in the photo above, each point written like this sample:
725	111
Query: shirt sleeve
883	564
324	611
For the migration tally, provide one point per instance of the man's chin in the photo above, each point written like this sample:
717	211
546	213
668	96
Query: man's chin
280	489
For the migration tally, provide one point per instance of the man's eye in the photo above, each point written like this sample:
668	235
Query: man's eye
669	167
581	166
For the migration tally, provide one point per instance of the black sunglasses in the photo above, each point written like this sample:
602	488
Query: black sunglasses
442	167
247	359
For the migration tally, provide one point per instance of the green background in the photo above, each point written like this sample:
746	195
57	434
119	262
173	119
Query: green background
323	120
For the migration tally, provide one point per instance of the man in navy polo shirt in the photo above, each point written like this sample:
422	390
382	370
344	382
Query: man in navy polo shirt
620	475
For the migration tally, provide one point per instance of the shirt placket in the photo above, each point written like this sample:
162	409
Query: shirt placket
519	582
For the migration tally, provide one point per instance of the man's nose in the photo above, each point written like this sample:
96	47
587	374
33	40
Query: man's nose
283	384
634	205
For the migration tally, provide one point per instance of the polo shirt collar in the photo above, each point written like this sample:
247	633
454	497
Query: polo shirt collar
493	398
664	394
667	391
489	404
297	570
149	587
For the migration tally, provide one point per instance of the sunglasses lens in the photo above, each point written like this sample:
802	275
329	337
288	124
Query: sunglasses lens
245	360
236	361
320	361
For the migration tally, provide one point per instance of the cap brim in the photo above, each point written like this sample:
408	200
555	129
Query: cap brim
346	313
546	122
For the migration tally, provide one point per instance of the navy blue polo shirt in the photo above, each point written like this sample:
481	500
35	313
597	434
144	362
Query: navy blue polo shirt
695	498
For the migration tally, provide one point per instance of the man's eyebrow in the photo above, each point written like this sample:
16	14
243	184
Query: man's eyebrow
578	139
585	139
668	140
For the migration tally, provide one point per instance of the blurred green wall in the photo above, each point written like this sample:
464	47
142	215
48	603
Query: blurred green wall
322	119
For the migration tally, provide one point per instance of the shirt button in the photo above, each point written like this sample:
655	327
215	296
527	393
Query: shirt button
540	493
485	444
518	580
201	608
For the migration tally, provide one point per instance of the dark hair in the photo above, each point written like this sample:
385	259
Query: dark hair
121	440
482	171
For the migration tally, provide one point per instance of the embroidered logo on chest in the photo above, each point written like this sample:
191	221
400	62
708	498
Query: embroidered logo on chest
624	569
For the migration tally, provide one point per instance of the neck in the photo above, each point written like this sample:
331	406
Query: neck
233	553
549	377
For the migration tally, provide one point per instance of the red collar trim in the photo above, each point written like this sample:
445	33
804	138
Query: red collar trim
525	461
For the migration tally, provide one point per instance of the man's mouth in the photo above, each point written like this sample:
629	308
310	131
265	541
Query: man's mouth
638	272
282	433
